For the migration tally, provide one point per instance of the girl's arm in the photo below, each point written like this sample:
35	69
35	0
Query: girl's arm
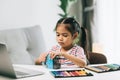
74	59
41	58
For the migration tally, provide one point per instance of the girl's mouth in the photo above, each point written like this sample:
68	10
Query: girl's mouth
61	43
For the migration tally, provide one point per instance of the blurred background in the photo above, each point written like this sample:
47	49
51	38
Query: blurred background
100	17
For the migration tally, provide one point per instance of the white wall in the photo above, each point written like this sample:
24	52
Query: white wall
108	17
25	13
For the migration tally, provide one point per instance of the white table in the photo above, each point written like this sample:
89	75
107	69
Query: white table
115	75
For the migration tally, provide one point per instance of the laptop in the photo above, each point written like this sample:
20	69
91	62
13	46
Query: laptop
7	68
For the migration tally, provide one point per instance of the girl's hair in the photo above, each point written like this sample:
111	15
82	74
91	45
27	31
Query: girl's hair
73	26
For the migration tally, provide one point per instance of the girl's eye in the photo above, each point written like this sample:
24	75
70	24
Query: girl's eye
65	35
57	35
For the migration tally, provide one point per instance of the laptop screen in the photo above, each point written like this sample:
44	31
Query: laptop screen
7	69
5	63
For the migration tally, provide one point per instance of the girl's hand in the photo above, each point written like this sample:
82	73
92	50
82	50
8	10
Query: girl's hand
41	58
53	54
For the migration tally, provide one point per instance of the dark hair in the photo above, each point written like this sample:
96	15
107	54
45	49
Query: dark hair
73	26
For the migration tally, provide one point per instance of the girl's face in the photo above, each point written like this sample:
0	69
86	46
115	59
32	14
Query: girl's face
64	37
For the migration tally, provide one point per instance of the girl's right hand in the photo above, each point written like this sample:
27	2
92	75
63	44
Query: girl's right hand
41	58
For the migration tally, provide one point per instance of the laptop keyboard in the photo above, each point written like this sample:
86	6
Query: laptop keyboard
21	73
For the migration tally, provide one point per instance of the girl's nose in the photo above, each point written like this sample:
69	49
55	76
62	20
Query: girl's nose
60	38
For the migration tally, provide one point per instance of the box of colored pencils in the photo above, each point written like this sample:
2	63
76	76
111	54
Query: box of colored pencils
104	68
70	73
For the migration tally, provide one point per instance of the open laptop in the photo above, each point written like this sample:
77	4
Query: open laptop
7	68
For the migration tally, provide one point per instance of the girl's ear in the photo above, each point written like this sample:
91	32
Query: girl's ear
75	35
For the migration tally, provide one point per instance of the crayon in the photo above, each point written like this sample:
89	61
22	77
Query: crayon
112	67
67	73
82	72
71	74
76	74
104	68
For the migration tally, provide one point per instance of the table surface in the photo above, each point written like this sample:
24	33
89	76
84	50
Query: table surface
115	75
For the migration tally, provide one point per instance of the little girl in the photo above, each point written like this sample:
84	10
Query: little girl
67	30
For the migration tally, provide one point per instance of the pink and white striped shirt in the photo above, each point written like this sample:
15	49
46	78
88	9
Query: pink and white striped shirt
75	50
